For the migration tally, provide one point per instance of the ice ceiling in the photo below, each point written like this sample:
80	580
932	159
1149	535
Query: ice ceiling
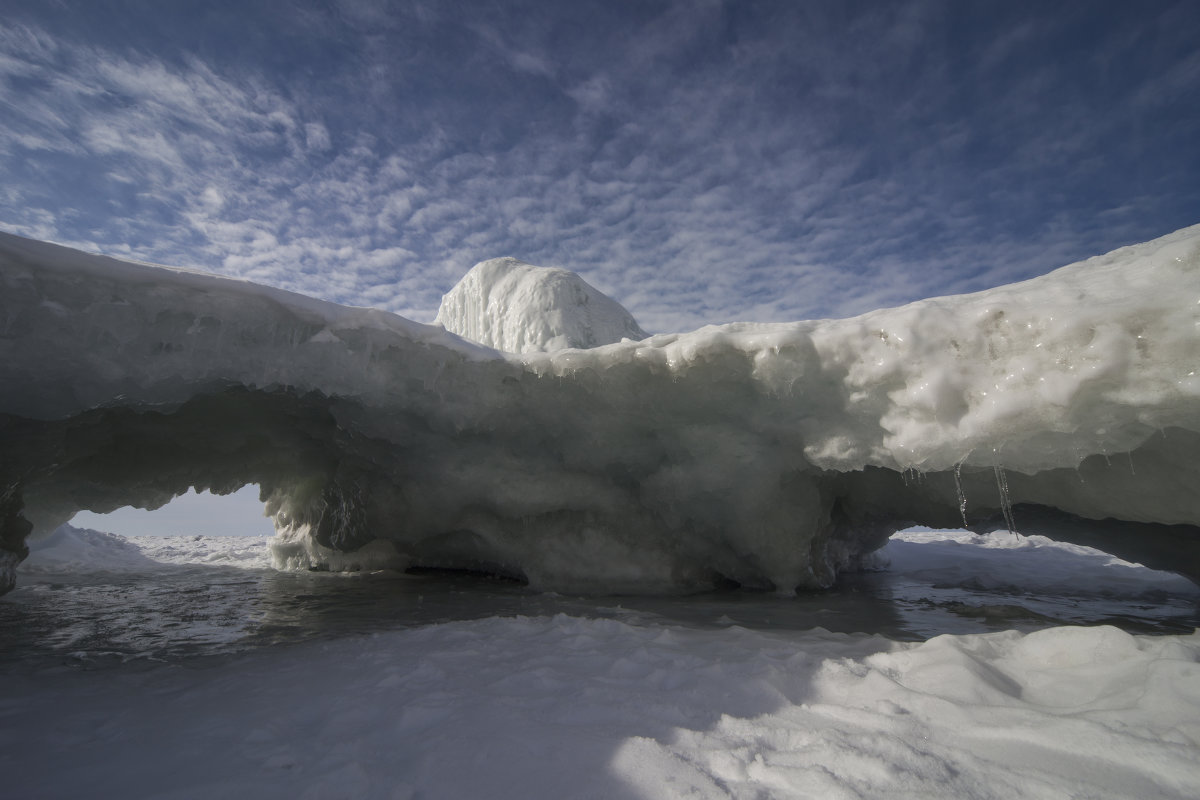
769	456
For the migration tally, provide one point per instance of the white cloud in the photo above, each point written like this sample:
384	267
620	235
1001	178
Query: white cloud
698	173
316	136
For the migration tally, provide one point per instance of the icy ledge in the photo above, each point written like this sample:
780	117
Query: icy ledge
768	455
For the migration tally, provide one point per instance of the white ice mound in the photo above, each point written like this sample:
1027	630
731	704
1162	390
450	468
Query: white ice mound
519	308
768	455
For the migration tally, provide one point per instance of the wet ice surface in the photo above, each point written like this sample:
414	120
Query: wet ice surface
171	599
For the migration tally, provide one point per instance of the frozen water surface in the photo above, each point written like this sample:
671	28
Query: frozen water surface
187	667
171	598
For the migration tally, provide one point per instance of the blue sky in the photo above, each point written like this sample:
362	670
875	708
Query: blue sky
702	162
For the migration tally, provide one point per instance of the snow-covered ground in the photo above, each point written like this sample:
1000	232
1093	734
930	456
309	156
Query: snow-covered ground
608	697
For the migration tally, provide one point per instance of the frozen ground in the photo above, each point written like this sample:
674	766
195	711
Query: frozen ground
187	668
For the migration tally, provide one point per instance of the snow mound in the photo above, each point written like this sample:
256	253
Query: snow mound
74	550
517	307
773	456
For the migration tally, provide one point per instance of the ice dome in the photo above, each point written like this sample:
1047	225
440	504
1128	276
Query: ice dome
517	307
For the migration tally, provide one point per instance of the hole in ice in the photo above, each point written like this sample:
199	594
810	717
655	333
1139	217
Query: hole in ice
188	578
190	514
998	578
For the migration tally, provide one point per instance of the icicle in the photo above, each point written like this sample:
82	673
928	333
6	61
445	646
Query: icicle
1131	470
1005	500
962	497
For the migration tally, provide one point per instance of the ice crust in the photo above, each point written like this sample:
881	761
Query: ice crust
769	455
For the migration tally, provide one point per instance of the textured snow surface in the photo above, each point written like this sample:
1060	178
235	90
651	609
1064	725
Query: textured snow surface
564	707
628	707
510	305
770	455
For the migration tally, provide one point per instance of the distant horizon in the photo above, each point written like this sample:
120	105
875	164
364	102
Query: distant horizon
190	514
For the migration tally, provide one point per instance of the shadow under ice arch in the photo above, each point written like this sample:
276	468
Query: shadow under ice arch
773	456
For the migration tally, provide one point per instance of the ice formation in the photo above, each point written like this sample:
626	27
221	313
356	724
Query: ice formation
510	305
771	456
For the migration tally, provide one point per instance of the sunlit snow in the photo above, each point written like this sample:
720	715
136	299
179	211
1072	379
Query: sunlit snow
509	305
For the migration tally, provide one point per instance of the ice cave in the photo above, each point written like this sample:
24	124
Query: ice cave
535	431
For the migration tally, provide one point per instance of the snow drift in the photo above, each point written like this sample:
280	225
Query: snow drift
772	456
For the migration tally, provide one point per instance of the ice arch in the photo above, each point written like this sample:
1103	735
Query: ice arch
770	455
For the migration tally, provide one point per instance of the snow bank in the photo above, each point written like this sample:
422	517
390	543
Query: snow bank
510	305
769	455
562	707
